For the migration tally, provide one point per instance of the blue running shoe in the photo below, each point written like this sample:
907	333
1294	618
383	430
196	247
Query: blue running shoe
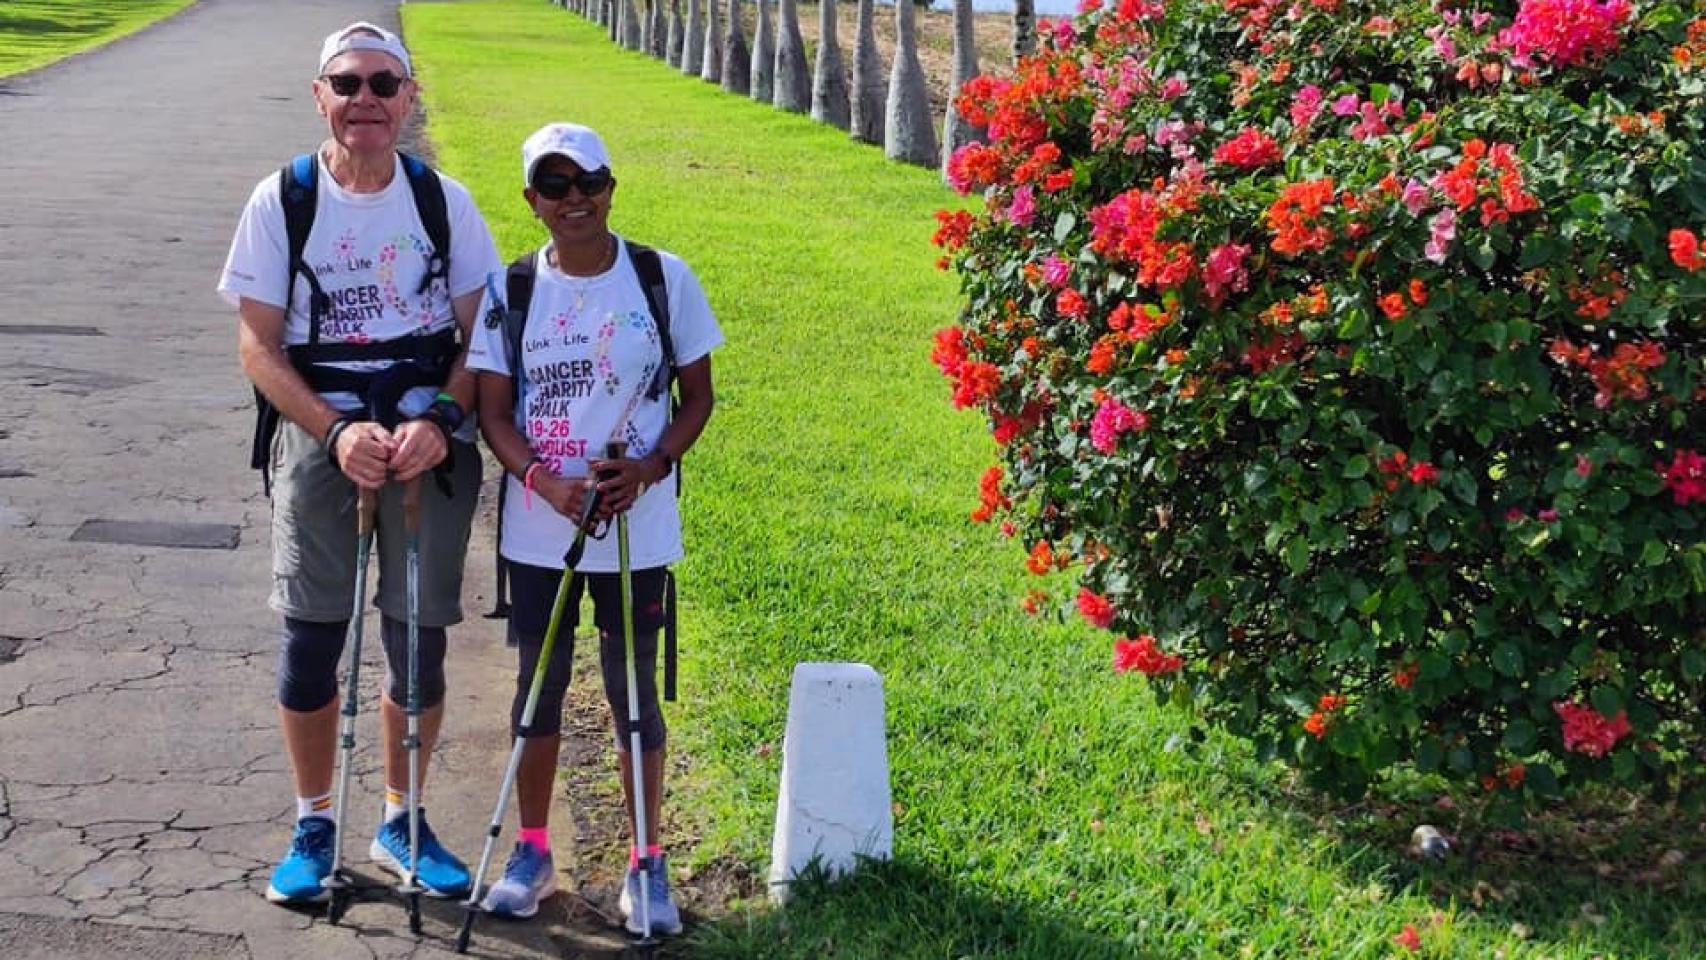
297	877
440	873
666	919
529	877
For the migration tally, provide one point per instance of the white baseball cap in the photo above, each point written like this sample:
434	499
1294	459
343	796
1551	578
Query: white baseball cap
362	35
578	143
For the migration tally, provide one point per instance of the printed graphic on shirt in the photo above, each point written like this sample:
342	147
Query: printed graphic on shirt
566	367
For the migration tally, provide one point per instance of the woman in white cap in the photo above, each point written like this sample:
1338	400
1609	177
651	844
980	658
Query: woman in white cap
353	269
607	323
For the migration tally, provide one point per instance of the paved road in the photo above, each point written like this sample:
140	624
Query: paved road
141	779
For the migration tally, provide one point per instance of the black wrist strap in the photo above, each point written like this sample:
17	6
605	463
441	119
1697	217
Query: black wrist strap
332	433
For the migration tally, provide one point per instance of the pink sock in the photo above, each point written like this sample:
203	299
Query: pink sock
654	851
539	838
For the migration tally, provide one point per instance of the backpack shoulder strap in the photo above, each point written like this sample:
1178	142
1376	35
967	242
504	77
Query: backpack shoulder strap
435	216
518	299
299	193
649	267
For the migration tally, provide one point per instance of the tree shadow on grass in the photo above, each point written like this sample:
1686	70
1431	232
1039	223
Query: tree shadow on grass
899	910
1606	874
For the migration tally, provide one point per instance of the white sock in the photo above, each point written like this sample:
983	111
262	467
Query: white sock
395	803
320	806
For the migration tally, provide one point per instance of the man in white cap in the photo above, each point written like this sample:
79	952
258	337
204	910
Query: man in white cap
608	324
356	272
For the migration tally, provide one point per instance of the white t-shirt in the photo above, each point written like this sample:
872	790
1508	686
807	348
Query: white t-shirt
369	252
590	350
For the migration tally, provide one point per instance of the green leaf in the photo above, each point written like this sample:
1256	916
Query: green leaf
1520	736
1653	553
1607	701
1063	225
1296	554
1507	659
1585	205
1355	467
1693	665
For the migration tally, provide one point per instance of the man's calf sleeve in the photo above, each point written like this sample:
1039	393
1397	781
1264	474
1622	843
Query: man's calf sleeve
432	642
308	663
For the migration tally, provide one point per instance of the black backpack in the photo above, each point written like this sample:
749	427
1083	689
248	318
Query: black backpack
518	300
423	360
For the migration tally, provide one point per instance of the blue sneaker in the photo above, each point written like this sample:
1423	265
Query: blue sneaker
440	872
529	877
297	877
666	919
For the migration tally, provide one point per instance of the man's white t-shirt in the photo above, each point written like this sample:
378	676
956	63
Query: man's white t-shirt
369	252
590	350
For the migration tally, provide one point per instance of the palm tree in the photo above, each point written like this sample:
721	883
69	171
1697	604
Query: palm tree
629	19
956	132
763	86
672	46
868	90
1024	29
911	134
657	39
711	67
829	84
737	66
793	81
693	45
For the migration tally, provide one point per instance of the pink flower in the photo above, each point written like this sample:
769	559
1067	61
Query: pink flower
1479	19
1023	210
1224	270
1685	477
1547	515
1584	465
1410	939
1513	515
1346	105
1415	196
1565	32
1065	35
1425	474
1112	419
1174	86
1586	730
1442	44
1097	609
1305	106
1442	231
1370	125
1056	271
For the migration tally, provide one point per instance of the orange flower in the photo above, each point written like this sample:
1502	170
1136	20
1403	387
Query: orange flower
1393	306
1418	292
1316	725
1041	559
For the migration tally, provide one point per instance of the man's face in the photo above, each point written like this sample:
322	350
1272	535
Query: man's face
362	121
575	217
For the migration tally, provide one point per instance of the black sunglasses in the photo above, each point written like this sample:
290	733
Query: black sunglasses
555	186
384	84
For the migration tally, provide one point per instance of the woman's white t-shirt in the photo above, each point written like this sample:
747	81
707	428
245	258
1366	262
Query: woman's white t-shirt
368	251
590	350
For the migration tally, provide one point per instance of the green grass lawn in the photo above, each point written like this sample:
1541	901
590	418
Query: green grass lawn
34	33
1041	812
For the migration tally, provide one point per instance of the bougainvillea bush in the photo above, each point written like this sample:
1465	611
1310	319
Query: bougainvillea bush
1349	357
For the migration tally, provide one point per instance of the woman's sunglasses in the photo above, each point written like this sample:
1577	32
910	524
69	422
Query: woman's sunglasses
555	186
384	84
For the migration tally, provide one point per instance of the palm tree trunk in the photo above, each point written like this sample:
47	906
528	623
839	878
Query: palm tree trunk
1024	29
956	132
737	63
672	48
763	86
693	45
711	67
868	90
793	77
829	85
911	134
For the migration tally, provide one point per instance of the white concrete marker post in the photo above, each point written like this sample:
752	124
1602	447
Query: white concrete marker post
834	802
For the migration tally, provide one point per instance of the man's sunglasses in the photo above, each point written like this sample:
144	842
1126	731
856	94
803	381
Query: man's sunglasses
555	186
384	84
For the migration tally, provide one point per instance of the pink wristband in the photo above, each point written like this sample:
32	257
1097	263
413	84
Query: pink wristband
527	482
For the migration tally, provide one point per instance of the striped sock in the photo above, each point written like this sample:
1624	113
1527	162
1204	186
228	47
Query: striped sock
394	807
320	806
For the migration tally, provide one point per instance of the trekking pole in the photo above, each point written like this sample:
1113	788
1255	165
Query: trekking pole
615	451
411	887
472	906
337	883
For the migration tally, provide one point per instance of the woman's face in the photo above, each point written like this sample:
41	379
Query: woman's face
576	217
362	120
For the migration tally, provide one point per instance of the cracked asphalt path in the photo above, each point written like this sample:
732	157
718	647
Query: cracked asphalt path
143	790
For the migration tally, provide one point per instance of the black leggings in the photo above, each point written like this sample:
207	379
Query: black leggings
308	663
532	592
